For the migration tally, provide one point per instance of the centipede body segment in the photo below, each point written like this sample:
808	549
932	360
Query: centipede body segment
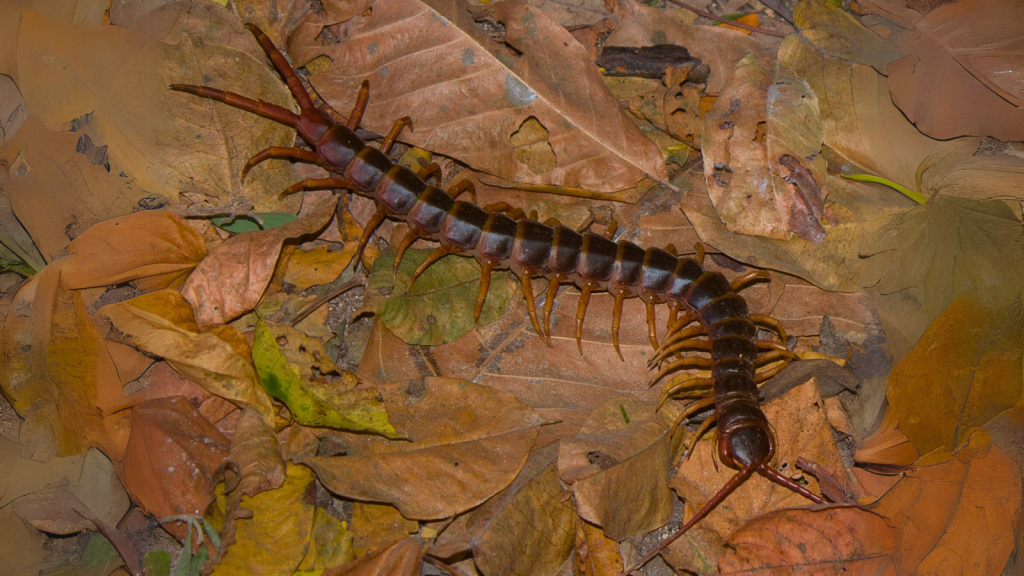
705	311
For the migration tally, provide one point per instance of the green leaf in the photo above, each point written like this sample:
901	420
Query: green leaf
359	410
241	224
157	563
99	559
438	308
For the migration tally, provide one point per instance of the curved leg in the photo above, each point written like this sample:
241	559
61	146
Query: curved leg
581	312
620	297
407	241
699	256
510	210
681	383
396	129
430	170
481	295
531	308
700	432
652	329
549	301
283	67
666	347
374	221
739	282
463	186
775	355
283	153
693	361
356	116
316	184
772	323
687	344
434	256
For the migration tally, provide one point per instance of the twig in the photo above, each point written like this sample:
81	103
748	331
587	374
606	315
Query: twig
357	280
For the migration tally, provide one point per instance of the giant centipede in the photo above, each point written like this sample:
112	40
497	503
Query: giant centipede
502	237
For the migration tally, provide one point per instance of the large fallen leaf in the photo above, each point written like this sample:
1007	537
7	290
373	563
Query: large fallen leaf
403	558
57	373
438	308
98	559
255	449
274	541
968	365
152	250
959	515
765	185
467	443
969	52
353	410
617	467
171	458
526	529
376	526
159	142
318	265
162	323
798	418
231	280
826	542
471	97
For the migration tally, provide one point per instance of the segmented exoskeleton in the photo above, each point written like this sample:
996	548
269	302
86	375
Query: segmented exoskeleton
499	236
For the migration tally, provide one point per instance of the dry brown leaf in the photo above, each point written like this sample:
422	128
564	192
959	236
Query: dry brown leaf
231	280
468	94
596	554
255	448
826	542
770	185
467	443
526	529
162	323
969	53
377	525
171	458
968	365
152	249
886	452
617	468
403	558
960	514
316	266
803	431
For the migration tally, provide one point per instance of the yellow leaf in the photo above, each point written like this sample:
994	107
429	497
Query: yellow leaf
317	266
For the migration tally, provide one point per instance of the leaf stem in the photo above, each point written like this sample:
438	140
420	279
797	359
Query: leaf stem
915	196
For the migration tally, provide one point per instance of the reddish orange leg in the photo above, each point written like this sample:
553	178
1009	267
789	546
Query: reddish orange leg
692	361
531	308
284	153
396	129
259	107
609	233
740	282
431	170
374	221
356	116
699	256
407	241
652	327
485	282
463	186
316	184
581	312
283	68
549	300
620	297
434	256
772	323
513	212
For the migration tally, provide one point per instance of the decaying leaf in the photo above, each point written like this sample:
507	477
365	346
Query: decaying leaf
596	554
467	442
968	365
833	541
403	558
162	323
171	458
275	539
231	280
526	529
319	265
255	449
548	78
761	145
375	526
353	410
438	307
617	468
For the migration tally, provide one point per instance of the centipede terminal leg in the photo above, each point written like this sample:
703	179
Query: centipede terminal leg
258	107
283	153
283	67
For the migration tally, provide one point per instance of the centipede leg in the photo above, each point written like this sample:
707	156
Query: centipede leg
699	256
693	361
396	129
513	212
284	153
766	375
356	115
434	256
666	347
774	475
774	355
681	383
404	245
772	323
531	308
374	221
316	184
740	282
679	345
692	409
652	328
485	282
620	297
700	433
581	311
613	226
432	170
463	186
549	300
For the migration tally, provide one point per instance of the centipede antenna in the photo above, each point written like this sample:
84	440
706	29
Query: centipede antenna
774	475
715	500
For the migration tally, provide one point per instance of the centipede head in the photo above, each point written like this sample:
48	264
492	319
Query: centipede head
746	446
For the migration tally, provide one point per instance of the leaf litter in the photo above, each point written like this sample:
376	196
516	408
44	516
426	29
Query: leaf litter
150	360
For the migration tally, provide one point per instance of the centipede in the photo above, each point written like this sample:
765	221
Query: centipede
706	313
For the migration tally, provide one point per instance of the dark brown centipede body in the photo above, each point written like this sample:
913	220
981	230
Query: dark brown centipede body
501	237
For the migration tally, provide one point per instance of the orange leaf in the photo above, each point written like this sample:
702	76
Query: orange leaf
151	249
403	558
833	541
